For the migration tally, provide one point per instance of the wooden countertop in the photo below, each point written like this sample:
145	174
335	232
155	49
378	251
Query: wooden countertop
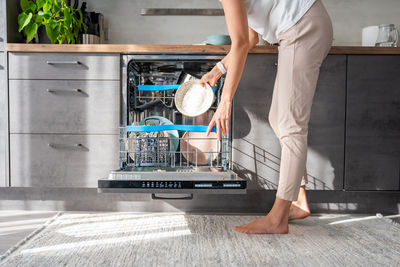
153	48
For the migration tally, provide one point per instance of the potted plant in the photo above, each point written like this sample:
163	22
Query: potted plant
63	23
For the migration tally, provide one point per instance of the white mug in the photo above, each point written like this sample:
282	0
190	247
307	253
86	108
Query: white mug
369	35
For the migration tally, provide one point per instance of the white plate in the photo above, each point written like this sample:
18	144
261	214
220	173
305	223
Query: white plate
192	99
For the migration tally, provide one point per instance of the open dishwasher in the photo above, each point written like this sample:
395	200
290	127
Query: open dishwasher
161	150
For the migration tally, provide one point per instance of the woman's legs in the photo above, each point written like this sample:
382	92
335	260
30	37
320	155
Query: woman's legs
298	209
301	52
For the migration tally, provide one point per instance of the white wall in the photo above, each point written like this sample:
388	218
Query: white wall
126	25
350	16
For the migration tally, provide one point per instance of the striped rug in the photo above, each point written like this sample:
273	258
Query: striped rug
177	239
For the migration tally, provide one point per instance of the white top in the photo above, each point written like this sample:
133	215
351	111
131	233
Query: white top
271	17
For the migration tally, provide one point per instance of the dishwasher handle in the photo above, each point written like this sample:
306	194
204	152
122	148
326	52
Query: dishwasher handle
153	196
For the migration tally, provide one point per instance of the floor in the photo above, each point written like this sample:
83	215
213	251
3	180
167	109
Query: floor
16	224
79	230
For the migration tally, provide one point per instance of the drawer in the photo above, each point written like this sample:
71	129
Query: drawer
2	67
45	160
64	106
3	120
64	66
2	24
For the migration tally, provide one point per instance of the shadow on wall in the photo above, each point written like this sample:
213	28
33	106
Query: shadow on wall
256	149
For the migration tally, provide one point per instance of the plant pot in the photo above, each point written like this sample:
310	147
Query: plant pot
43	39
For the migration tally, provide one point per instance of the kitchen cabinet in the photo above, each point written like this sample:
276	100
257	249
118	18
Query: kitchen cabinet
66	66
52	160
372	123
64	118
3	120
2	24
64	106
256	150
3	98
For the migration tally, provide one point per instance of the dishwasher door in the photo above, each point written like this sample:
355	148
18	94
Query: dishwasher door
165	180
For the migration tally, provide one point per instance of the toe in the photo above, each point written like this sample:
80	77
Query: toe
238	229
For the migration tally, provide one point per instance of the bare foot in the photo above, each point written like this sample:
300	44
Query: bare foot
264	225
299	211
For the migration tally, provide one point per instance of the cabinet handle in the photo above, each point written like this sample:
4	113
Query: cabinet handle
67	62
54	91
276	64
54	145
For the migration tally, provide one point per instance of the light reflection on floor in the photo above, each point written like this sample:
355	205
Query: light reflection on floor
123	224
126	227
107	241
355	220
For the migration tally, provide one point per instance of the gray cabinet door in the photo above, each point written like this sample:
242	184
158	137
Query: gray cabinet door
64	106
372	123
66	66
256	150
2	24
3	120
45	160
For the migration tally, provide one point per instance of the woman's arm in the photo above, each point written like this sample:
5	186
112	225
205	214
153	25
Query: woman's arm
253	41
213	76
236	20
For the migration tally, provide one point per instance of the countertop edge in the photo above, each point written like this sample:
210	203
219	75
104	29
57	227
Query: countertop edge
154	48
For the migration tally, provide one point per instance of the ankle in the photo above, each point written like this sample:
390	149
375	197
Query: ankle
280	211
302	198
278	219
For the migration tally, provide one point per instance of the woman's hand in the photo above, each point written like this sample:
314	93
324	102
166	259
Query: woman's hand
211	77
221	118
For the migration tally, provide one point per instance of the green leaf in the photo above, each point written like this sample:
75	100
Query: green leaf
53	24
23	20
30	31
57	7
31	7
24	4
46	15
47	6
69	37
61	38
67	17
52	33
37	19
40	3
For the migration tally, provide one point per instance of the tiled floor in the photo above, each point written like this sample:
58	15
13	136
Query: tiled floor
15	225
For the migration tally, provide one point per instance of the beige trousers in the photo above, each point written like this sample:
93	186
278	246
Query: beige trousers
302	48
